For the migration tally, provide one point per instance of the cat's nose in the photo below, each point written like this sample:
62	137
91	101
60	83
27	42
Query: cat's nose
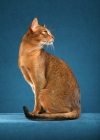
53	37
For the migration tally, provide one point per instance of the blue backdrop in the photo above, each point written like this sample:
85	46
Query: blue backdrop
76	27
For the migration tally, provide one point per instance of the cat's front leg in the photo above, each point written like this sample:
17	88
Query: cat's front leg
37	106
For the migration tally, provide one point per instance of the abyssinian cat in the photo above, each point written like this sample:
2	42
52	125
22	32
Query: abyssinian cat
56	91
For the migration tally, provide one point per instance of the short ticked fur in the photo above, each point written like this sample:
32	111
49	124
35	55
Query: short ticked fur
56	91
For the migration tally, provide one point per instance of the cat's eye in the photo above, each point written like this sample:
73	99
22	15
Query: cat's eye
45	32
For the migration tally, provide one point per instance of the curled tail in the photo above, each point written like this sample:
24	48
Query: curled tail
57	116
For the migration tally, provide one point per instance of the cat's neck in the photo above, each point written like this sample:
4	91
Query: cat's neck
29	48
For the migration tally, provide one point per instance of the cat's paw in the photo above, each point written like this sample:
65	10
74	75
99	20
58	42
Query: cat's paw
35	112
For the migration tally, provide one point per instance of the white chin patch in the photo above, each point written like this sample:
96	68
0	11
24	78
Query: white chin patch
50	43
43	42
47	43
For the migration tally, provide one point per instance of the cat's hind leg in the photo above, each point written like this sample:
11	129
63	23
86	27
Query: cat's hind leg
51	103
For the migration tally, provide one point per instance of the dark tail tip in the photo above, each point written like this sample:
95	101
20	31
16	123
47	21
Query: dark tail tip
25	110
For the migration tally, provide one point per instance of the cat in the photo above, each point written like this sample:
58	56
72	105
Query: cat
56	91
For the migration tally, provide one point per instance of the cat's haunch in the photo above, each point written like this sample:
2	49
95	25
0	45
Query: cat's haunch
56	91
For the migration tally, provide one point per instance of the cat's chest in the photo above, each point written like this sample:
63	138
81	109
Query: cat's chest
34	65
34	68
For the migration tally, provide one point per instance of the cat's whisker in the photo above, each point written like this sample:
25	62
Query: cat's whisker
47	46
51	29
53	47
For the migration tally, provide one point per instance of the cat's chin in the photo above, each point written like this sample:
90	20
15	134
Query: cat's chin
47	43
51	43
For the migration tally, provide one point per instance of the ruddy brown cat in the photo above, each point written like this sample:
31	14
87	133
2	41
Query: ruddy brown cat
56	91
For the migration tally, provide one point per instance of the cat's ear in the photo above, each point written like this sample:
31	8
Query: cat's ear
34	24
43	25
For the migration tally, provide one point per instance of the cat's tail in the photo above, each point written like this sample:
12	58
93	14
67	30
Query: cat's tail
57	116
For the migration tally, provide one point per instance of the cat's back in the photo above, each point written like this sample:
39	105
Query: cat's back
56	64
59	72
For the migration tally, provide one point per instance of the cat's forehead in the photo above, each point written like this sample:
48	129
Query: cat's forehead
44	29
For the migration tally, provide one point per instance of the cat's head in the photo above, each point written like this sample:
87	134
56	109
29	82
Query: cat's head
40	34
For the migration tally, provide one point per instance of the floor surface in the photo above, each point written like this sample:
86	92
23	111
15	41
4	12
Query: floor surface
14	126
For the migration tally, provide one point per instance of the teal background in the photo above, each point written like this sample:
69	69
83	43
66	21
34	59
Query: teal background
76	27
